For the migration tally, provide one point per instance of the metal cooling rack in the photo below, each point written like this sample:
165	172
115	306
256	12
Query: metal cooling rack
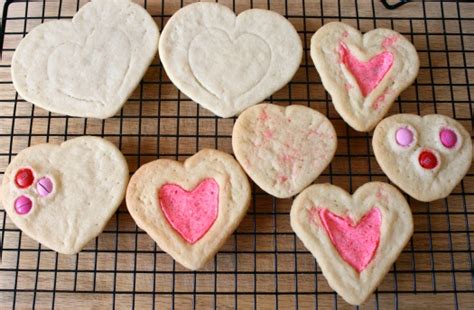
262	265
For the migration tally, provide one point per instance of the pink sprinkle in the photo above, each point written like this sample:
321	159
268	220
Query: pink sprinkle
268	134
282	178
315	132
378	102
263	115
287	158
345	34
380	195
389	41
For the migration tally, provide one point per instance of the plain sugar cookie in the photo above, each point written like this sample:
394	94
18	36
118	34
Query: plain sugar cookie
283	149
425	156
190	208
227	63
355	239
64	195
364	74
87	67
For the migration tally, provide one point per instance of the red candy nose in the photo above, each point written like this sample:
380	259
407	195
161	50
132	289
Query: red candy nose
427	160
24	178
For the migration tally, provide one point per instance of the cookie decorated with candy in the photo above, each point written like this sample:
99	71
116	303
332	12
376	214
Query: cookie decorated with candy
425	156
190	208
283	149
64	195
355	239
363	73
225	62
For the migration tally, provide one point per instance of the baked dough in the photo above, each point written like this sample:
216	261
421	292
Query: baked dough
175	203
364	74
366	231
283	149
87	67
227	63
87	178
401	163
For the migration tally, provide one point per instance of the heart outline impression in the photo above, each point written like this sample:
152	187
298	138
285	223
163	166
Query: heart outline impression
55	67
248	67
194	21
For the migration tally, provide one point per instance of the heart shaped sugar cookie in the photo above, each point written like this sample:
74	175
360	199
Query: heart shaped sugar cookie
283	149
355	239
425	156
90	66
64	195
363	73
227	63
190	208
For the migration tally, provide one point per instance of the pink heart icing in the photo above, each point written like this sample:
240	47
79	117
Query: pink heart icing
356	243
192	213
367	74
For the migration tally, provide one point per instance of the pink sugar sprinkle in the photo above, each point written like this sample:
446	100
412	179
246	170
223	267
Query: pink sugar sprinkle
263	115
345	34
378	102
389	41
268	134
282	178
287	158
381	196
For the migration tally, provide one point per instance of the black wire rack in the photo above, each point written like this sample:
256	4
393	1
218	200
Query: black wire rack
263	264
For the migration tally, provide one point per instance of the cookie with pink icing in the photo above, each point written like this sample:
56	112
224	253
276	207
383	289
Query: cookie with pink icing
283	149
355	239
425	156
64	195
189	208
363	73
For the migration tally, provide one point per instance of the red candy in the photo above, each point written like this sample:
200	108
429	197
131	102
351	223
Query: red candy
24	178
427	160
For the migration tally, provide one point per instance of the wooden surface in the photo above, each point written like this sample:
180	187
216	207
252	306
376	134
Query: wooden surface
262	264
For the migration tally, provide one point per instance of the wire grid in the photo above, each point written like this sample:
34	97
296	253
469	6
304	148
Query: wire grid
263	264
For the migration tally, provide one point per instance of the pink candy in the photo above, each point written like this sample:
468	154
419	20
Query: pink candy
44	187
448	138
24	178
23	205
404	136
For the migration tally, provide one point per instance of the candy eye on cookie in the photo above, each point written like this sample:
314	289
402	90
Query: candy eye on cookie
449	138
403	137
